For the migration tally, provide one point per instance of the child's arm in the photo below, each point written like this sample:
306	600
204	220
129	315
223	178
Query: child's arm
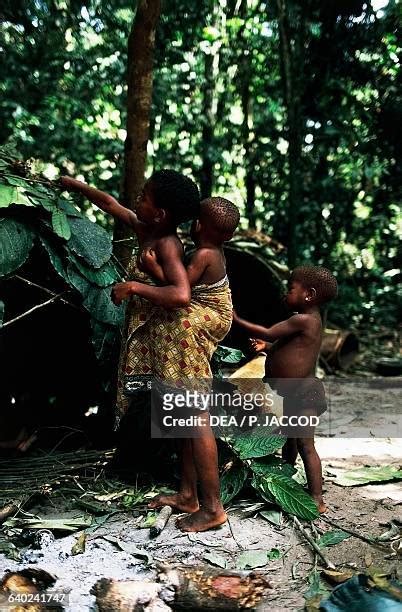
104	201
176	294
150	262
291	326
197	266
195	269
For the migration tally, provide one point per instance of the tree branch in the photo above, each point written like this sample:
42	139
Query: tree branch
31	284
25	314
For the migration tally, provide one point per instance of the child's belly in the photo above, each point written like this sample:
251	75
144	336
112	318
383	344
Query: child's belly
288	363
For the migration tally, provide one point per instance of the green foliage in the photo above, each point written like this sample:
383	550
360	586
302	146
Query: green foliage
270	477
232	482
253	446
330	538
13	195
90	242
364	475
16	240
224	355
250	559
215	559
220	114
60	224
272	516
78	250
290	496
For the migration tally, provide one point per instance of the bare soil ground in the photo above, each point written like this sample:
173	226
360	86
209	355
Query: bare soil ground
365	509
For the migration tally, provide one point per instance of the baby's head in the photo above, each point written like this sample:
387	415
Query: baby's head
310	285
168	196
217	221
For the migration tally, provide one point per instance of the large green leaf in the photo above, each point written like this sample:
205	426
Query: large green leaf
226	354
258	484
232	482
272	515
46	203
90	241
68	208
249	559
97	300
55	258
41	196
290	496
16	240
215	559
364	475
13	195
41	191
330	538
249	446
104	276
100	305
16	181
60	224
272	465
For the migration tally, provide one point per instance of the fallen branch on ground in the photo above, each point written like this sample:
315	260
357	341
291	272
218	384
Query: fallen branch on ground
161	521
313	544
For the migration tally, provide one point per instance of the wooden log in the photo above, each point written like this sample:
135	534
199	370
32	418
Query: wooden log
128	596
184	588
207	588
161	521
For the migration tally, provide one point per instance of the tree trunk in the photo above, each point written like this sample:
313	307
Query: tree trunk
210	103
294	128
141	44
245	76
206	179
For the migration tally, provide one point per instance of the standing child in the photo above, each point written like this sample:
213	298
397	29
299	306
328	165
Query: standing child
167	199
291	361
208	320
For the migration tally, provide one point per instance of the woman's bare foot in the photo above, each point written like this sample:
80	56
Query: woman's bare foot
178	501
202	520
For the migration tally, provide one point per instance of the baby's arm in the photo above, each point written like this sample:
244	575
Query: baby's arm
195	269
104	201
176	294
291	326
150	263
198	264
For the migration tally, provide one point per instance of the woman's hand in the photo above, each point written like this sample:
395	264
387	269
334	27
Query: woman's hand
122	291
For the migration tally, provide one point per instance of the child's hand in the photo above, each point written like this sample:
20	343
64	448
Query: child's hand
148	257
257	345
149	262
120	292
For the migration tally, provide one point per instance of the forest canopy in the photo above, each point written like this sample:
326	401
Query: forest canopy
288	107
